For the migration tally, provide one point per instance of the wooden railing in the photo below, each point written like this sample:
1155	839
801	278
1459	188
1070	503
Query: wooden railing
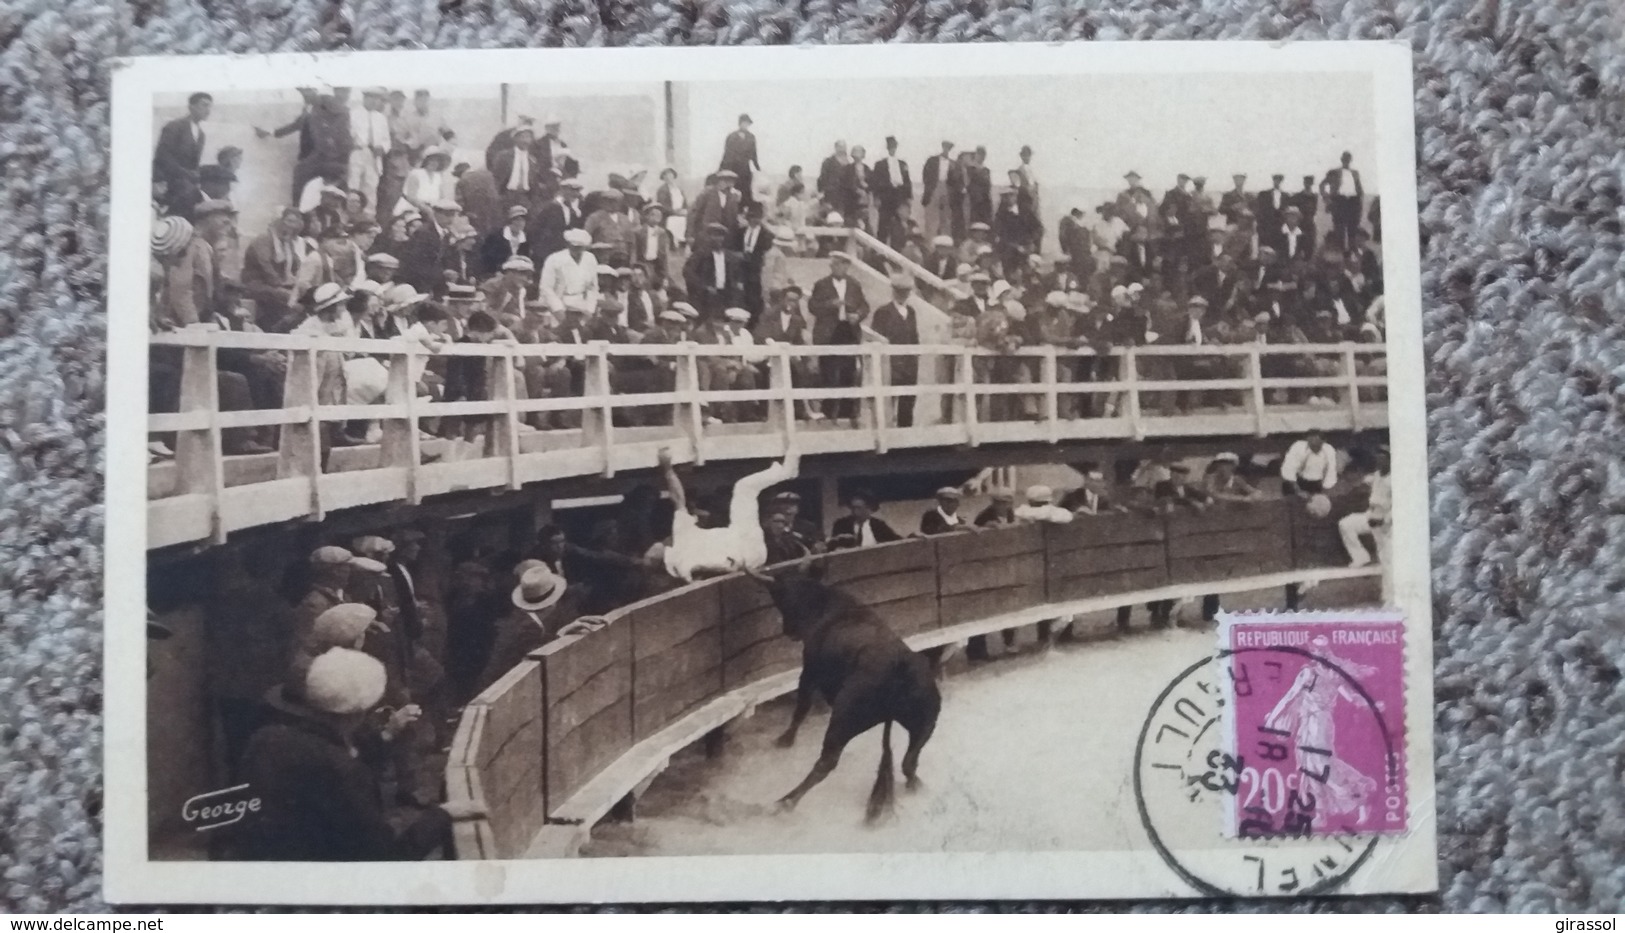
204	495
554	745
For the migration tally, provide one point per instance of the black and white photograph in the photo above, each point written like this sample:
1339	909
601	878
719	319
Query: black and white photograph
836	463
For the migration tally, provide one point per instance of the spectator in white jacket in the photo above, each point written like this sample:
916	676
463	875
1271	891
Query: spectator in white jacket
570	276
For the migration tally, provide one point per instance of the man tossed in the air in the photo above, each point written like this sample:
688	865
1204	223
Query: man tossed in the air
739	545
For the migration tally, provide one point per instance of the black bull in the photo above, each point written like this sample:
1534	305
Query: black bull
866	674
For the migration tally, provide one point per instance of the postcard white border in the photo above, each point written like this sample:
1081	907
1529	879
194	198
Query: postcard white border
131	879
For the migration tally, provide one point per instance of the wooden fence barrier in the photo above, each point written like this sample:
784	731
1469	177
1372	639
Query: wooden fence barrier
561	738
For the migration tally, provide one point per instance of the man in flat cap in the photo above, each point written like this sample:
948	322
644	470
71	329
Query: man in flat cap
899	324
719	203
838	307
570	276
550	221
1295	242
944	517
1136	205
507	242
893	191
739	157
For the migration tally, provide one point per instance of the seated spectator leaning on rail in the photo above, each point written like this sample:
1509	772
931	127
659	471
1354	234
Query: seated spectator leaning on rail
739	545
859	527
540	613
1041	507
788	503
783	544
1000	510
1094	497
944	517
1222	483
1177	492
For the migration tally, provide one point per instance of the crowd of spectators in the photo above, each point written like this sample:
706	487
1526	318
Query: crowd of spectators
383	637
385	236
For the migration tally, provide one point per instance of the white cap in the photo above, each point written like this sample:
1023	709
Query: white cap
344	681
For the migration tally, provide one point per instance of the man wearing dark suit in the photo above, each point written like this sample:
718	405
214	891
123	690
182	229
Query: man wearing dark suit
562	213
1294	242
501	245
831	174
943	197
539	613
719	204
1217	282
855	179
519	175
978	189
307	144
838	307
553	153
1141	254
861	528
784	322
751	242
180	149
944	517
942	261
1075	242
739	156
1308	202
1093	497
1344	193
428	250
894	195
714	275
900	325
1270	210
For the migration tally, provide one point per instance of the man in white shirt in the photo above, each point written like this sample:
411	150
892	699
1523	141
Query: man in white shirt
739	545
570	276
1374	520
369	141
1310	466
1041	507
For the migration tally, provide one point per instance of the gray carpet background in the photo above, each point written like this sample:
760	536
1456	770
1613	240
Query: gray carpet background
1521	126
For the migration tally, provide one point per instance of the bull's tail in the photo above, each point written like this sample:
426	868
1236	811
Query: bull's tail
884	794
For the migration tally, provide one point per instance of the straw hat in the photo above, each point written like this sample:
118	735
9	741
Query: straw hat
538	589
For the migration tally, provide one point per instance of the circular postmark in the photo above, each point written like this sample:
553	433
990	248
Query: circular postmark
1195	787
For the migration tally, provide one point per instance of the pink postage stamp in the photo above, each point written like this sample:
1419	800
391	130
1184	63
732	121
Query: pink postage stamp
1315	730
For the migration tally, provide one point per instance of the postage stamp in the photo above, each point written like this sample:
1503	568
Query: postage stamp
1315	723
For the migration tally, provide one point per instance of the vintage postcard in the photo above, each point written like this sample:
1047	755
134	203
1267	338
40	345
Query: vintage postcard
899	472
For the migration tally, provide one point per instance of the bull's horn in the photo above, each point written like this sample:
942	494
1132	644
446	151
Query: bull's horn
760	577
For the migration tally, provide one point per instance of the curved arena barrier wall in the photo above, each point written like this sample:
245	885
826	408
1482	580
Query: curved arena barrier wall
556	743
